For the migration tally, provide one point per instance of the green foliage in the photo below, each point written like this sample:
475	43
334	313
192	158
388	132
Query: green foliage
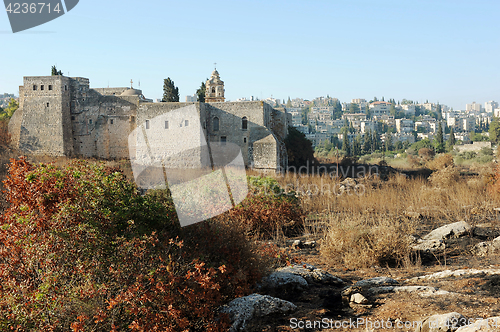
55	72
200	93
495	130
7	113
451	141
477	137
299	148
354	108
170	91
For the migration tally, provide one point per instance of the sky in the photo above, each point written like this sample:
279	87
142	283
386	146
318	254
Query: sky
436	50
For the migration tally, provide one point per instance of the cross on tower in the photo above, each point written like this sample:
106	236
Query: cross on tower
215	65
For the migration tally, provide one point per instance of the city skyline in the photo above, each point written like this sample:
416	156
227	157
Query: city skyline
437	51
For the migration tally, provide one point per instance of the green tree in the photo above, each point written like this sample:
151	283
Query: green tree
337	110
389	142
200	93
299	148
356	145
451	141
494	130
367	142
438	111
170	91
439	141
354	108
56	72
288	103
346	146
9	110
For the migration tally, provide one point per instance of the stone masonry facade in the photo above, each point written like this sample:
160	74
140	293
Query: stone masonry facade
63	116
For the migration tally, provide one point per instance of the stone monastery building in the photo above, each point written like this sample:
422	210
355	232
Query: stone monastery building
63	116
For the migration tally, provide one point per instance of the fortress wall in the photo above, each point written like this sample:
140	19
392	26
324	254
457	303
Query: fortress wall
172	134
110	91
230	116
101	124
265	153
42	128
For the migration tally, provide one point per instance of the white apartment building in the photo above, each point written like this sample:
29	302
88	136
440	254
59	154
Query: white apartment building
475	108
378	108
490	106
366	126
409	109
296	116
354	117
405	126
468	123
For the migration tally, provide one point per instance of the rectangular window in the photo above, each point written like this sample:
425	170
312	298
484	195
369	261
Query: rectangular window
244	139
111	121
223	140
186	123
166	124
147	124
50	87
34	87
47	104
65	88
90	121
41	87
72	117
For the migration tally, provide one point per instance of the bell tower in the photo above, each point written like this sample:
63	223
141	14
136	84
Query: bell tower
214	88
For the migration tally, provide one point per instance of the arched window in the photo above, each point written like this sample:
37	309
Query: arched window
244	123
216	124
213	90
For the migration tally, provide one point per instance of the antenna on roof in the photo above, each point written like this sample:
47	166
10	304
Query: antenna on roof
139	83
131	84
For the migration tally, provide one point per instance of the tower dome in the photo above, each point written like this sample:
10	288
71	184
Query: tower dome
214	88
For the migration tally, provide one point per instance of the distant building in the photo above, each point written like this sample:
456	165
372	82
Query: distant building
473	107
378	108
191	99
490	106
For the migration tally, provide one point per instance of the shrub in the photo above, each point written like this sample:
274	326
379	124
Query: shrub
364	241
445	177
468	155
81	249
440	162
268	210
426	153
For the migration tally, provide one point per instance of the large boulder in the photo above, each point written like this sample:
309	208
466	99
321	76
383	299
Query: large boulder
455	229
377	281
244	309
312	274
487	248
285	284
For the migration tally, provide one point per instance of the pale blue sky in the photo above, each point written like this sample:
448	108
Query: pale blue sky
443	51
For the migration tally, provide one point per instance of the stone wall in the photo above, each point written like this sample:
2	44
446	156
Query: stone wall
43	127
69	119
476	146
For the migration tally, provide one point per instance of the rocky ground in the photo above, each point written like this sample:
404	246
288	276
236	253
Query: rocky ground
458	275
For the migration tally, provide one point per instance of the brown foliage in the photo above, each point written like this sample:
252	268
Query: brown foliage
81	250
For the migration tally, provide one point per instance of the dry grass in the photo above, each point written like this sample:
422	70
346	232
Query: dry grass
366	225
368	240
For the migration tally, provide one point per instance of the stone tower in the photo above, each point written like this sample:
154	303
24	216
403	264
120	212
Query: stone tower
214	89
